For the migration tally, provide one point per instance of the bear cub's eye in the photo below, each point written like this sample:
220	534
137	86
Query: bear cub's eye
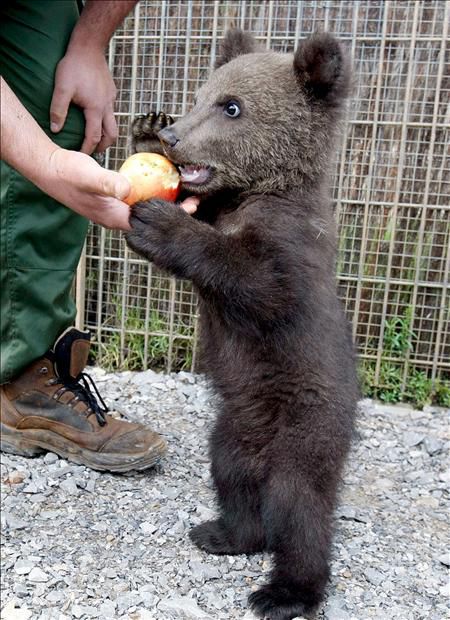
232	109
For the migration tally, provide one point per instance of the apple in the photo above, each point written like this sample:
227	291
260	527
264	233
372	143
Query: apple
150	176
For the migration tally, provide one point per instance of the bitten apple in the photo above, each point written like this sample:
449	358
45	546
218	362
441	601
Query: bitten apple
150	176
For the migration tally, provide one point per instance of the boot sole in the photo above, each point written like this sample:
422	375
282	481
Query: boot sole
35	442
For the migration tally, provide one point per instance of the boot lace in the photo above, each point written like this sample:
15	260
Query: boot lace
81	388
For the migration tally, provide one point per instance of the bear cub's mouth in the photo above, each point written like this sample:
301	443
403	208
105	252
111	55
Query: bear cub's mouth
194	174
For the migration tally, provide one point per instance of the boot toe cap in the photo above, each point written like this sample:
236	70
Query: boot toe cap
138	441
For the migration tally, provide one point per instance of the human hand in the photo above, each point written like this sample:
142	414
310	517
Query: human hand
83	78
77	181
190	204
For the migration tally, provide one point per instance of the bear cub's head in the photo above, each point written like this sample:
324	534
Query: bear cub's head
263	121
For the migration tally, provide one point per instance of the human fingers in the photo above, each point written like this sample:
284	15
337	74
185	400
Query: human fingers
109	130
111	213
91	177
113	184
58	108
93	130
190	204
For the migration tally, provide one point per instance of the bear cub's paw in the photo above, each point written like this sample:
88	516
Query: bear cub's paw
213	537
153	226
278	602
144	132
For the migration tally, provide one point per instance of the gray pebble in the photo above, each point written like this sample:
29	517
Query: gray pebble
445	558
110	573
411	439
335	613
108	609
37	575
433	445
50	458
23	567
184	606
373	576
13	522
20	589
69	486
204	572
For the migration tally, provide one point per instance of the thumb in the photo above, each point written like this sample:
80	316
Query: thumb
58	109
114	184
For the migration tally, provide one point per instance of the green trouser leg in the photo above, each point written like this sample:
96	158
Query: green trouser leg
41	240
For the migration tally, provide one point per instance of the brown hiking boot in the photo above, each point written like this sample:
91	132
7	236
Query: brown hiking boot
50	407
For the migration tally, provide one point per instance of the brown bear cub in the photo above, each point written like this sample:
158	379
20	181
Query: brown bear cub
260	251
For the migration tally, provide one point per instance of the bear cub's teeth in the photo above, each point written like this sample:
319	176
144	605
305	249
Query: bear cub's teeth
194	174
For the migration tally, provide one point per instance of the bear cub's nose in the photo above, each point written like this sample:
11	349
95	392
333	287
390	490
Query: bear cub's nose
168	136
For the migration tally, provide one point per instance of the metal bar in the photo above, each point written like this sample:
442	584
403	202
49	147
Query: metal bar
398	186
214	35
187	53
344	138
243	6
357	122
171	323
423	219
399	281
101	257
80	289
269	25
343	36
133	81
134	66
372	161
147	312
162	37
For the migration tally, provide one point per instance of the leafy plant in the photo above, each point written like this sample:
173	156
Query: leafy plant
398	335
442	393
390	390
391	386
419	388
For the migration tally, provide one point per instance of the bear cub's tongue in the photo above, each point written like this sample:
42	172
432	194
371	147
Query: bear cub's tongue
194	174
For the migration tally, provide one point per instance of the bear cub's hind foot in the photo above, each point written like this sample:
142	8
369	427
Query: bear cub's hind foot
278	602
215	538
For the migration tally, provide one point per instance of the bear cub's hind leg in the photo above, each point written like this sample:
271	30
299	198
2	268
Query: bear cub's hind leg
239	528
297	521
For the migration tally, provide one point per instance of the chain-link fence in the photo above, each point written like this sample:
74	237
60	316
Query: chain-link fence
392	182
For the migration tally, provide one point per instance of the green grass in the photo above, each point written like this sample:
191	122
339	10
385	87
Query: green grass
112	356
391	385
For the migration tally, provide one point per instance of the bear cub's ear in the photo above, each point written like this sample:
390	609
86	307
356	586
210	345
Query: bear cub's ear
322	67
235	43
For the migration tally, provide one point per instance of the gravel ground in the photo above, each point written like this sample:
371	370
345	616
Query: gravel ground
80	544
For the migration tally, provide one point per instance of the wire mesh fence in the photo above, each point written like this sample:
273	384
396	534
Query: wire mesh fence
392	181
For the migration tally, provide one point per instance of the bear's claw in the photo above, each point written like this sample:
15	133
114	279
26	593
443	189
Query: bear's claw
144	131
277	602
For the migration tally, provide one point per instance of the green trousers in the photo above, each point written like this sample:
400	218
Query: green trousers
41	240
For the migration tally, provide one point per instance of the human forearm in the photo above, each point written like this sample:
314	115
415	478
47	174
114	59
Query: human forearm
23	143
98	21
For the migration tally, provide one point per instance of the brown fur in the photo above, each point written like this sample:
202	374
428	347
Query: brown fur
261	252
